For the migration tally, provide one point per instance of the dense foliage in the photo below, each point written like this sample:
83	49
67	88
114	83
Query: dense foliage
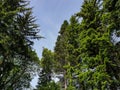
92	59
85	57
17	59
45	81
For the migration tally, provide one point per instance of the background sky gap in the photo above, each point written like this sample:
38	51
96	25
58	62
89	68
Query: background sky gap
50	15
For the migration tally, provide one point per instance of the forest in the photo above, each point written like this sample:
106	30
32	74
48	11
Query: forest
86	55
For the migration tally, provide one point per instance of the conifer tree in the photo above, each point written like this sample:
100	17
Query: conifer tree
72	51
99	71
111	20
17	28
66	50
60	47
90	54
61	51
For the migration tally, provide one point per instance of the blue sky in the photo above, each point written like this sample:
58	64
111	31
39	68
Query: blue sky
50	14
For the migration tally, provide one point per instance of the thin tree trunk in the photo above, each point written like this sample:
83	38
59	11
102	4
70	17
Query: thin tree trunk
65	81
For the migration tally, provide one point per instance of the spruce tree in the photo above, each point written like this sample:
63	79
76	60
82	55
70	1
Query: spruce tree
72	52
99	70
17	28
111	20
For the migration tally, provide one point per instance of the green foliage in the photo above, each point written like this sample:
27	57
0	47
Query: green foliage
45	73
83	52
60	48
50	86
96	47
90	55
17	59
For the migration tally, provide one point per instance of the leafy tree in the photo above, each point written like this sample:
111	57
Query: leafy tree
45	81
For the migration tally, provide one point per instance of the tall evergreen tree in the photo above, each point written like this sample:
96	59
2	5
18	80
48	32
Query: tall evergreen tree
72	51
60	47
17	28
111	15
61	51
66	50
89	52
98	66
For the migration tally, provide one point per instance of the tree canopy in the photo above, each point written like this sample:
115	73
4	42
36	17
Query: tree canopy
85	57
17	29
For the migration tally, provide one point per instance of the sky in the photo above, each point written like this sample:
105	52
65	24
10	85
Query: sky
50	15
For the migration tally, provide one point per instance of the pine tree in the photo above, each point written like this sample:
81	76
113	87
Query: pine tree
17	28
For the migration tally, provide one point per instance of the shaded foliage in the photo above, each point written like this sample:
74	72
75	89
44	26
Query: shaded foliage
45	81
17	28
